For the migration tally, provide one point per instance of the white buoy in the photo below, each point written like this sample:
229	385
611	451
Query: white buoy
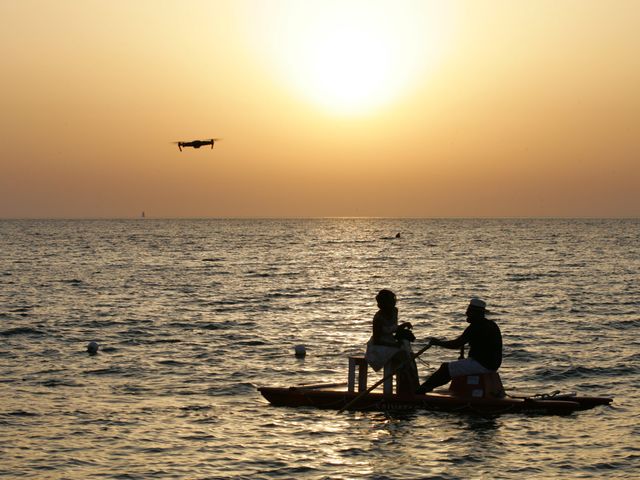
301	351
92	348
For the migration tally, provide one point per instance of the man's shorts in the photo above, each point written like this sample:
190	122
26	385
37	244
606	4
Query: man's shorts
468	366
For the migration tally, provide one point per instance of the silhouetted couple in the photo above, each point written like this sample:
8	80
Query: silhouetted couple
390	342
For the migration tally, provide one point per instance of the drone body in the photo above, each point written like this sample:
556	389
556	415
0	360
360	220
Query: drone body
197	143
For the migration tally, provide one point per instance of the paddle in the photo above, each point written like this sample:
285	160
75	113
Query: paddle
413	357
317	386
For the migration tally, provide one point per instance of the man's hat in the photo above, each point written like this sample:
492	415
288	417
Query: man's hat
477	303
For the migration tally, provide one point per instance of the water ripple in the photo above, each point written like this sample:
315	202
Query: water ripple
193	315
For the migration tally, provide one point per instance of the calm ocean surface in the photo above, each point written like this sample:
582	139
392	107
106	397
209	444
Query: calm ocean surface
193	315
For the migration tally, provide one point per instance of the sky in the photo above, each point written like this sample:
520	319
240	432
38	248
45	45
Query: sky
482	108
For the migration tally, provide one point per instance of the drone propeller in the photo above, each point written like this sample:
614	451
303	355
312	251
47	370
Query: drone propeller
189	141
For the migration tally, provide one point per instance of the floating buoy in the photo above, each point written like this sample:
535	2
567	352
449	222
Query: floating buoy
92	348
301	351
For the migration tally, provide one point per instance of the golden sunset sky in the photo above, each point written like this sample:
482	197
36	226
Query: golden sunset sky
325	108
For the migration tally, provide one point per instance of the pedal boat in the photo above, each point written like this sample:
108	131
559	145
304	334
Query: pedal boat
483	394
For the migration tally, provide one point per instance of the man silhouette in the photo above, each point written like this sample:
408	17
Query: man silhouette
485	354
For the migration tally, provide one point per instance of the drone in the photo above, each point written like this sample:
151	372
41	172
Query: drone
197	143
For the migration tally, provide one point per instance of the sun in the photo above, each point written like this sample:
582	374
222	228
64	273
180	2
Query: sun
348	68
351	57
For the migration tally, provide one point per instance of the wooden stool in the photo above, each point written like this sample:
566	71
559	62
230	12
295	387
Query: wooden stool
361	363
387	386
484	385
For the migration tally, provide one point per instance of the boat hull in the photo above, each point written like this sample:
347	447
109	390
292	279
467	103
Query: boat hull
336	400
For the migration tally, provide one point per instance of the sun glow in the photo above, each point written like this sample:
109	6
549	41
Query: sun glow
347	68
352	57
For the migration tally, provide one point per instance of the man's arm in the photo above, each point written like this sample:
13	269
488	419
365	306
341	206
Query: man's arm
452	344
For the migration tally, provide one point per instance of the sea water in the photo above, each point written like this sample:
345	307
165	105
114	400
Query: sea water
192	315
